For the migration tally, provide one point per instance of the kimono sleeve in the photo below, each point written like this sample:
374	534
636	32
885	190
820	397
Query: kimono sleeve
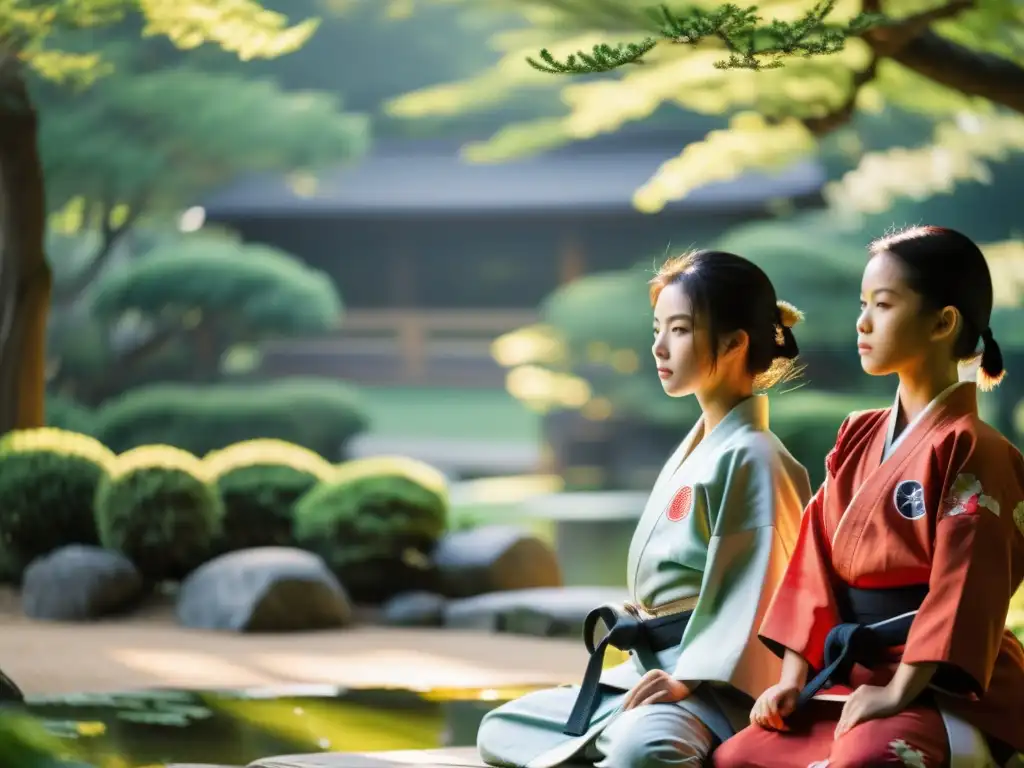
960	624
746	558
803	609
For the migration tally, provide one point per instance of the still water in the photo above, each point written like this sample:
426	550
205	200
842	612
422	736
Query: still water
148	729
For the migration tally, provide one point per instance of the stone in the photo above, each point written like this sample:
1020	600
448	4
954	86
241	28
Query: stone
463	757
494	558
78	583
414	609
544	612
264	589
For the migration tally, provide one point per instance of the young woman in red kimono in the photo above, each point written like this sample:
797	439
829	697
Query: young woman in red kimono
891	615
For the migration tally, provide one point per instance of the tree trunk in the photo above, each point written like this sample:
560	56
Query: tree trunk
24	273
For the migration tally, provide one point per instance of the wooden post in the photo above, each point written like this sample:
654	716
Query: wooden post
412	338
572	260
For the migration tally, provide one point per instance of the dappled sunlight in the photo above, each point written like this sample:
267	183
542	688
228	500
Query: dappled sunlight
393	667
337	725
505	490
960	151
725	155
191	669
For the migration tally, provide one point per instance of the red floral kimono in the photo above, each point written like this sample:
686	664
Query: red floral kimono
943	506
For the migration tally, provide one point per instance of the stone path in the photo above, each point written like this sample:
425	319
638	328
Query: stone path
149	650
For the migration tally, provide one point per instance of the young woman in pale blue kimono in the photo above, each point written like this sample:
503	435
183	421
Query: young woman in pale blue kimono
708	551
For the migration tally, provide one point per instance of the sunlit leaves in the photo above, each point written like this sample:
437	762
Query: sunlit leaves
960	152
243	27
749	142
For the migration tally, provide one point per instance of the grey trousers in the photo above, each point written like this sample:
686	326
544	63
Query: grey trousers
653	736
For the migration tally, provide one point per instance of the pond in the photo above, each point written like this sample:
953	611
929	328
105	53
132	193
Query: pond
148	729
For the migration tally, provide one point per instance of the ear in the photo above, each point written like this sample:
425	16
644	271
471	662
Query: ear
947	324
730	343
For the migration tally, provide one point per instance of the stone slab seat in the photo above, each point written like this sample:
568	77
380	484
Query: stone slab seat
462	757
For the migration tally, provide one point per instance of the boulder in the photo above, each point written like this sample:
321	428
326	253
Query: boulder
494	558
546	612
78	583
264	589
414	609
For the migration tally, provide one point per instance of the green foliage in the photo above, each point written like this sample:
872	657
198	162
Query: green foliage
48	478
719	60
247	291
376	532
318	414
259	482
157	507
27	743
151	141
807	423
243	27
750	45
64	413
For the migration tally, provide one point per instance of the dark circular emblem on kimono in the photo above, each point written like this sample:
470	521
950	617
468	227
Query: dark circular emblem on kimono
908	498
680	506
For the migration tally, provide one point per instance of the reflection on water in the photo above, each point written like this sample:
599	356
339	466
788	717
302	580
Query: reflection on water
154	728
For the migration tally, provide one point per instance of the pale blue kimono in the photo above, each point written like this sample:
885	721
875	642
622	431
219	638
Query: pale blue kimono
719	548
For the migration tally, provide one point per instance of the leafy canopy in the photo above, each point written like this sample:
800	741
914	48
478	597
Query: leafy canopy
749	44
243	27
957	63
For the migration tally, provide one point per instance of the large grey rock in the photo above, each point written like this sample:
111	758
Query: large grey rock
414	609
546	612
79	582
265	589
494	558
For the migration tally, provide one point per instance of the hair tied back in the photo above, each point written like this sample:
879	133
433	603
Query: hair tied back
788	314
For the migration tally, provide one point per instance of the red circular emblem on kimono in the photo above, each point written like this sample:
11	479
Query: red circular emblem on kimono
680	506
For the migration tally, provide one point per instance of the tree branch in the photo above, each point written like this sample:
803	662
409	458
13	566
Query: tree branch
973	73
825	124
109	237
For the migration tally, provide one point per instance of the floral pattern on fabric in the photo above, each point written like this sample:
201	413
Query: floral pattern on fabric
910	757
967	496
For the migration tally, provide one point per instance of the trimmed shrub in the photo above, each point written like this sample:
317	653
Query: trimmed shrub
157	507
48	478
807	423
319	414
259	482
376	525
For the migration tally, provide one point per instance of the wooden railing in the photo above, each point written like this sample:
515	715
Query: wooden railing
414	337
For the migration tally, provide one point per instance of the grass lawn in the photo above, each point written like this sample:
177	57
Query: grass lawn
466	414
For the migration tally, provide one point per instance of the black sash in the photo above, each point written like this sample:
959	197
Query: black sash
873	621
627	633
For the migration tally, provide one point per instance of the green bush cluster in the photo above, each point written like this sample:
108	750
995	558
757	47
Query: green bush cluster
374	521
48	478
317	414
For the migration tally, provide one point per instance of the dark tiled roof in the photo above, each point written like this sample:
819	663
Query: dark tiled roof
424	180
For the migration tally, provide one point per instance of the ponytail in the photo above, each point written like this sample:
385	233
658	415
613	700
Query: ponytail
991	371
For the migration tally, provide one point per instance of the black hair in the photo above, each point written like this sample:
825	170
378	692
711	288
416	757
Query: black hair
949	270
731	294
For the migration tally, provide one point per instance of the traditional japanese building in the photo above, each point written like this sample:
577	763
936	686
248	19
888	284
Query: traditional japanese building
435	256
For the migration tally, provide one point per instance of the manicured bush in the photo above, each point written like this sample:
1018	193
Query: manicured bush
807	423
259	482
48	478
376	525
319	414
158	508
